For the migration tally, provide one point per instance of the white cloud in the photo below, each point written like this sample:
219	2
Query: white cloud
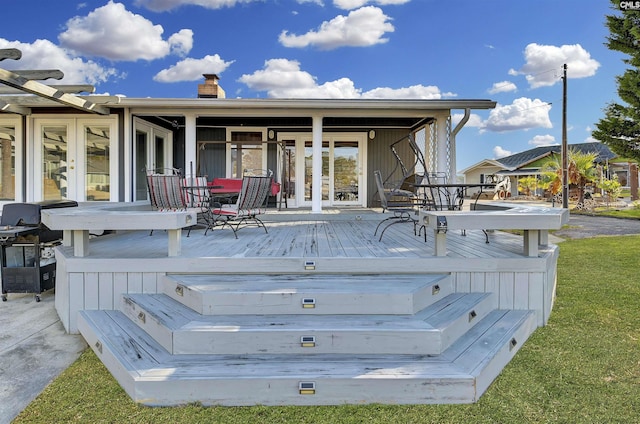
522	114
283	78
318	2
354	4
114	33
164	5
43	54
363	27
499	152
543	140
413	92
544	63
474	120
502	87
192	69
181	42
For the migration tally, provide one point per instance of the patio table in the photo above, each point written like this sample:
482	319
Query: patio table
452	194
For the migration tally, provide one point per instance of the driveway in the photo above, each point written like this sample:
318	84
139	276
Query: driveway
584	226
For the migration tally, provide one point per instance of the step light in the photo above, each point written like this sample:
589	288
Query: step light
435	290
308	341
180	290
308	303
142	317
472	315
512	344
98	346
307	387
309	265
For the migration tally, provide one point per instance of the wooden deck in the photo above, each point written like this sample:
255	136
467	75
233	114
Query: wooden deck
304	235
317	311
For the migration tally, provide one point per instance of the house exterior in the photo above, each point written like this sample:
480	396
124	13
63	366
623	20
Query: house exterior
530	162
322	151
320	309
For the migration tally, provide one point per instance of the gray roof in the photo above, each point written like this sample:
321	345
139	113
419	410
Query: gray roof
523	158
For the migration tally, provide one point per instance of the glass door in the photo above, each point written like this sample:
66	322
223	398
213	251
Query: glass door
54	151
289	180
342	169
73	159
346	172
152	152
308	172
9	130
97	155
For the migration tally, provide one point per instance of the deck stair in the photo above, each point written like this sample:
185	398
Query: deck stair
312	339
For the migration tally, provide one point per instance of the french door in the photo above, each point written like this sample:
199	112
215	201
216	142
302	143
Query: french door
75	159
152	152
342	169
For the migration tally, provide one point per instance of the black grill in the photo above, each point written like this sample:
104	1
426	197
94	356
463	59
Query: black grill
26	248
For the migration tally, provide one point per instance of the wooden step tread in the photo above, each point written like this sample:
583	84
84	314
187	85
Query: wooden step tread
180	330
315	294
152	376
284	283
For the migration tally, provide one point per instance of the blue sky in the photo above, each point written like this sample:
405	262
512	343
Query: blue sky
508	51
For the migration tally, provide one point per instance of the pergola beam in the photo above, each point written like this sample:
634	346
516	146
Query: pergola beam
13	54
71	89
39	74
10	108
21	83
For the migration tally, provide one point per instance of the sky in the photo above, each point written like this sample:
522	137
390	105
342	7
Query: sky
511	52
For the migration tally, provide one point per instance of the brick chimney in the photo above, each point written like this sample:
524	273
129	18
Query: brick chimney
210	89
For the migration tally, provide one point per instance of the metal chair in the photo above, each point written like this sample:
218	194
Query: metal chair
167	193
402	210
245	211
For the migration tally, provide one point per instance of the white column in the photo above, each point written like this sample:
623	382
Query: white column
442	145
190	147
316	193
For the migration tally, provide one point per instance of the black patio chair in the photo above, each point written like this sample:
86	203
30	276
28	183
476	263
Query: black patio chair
250	203
402	206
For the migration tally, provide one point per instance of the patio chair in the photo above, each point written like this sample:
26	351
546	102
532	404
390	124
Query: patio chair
402	211
250	203
167	193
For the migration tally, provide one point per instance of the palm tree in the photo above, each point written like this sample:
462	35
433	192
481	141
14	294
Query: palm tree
580	169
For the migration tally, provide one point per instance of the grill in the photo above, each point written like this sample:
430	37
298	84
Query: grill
26	248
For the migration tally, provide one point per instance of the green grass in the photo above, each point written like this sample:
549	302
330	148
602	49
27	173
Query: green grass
583	367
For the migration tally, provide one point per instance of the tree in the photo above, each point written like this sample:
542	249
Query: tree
611	187
528	185
581	170
620	128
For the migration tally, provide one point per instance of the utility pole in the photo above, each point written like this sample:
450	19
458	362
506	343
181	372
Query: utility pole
565	170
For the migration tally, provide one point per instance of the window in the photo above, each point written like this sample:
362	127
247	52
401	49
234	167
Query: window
246	152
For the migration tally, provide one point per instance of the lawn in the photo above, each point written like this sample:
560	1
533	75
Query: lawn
583	367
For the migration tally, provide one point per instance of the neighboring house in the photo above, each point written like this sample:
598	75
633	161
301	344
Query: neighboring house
97	148
530	162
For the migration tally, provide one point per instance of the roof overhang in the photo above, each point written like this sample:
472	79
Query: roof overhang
298	113
485	163
302	107
520	172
